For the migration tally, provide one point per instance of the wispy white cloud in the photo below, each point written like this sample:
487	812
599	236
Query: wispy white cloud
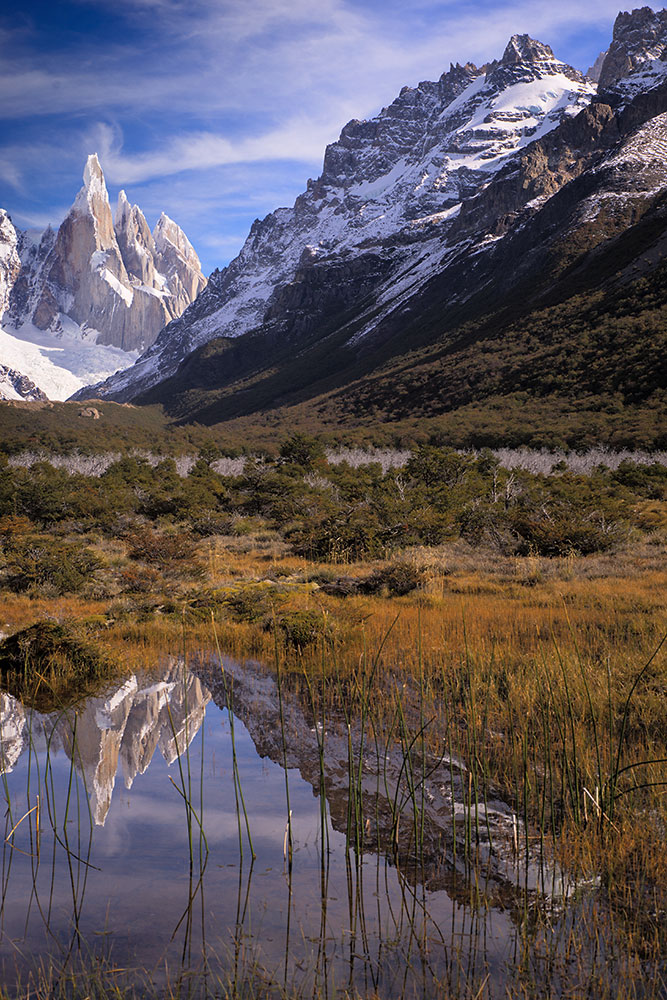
11	174
40	220
212	58
298	139
331	62
232	93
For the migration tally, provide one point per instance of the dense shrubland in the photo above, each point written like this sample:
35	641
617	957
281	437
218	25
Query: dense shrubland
330	511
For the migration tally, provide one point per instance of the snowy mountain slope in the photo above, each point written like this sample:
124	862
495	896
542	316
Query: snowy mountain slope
389	186
59	364
580	210
466	203
572	301
109	286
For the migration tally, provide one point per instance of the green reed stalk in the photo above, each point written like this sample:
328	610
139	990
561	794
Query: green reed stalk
483	763
323	791
422	724
284	748
471	731
367	679
407	748
612	794
182	790
526	792
451	762
319	735
576	802
594	724
465	802
358	776
236	777
566	776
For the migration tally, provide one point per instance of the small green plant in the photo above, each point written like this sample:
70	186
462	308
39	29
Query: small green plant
302	628
249	604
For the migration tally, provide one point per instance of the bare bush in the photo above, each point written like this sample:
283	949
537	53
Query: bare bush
77	463
387	458
74	463
229	466
542	462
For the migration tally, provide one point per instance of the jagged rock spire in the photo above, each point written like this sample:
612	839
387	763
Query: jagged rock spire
111	279
523	48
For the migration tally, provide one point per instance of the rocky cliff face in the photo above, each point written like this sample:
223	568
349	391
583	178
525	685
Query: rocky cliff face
637	57
119	282
10	262
389	189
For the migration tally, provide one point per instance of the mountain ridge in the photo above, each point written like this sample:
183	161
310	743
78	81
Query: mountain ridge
543	188
387	183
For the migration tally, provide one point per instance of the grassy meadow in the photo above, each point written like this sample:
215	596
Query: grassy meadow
507	618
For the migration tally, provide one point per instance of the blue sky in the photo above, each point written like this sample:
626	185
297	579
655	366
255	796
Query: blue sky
217	112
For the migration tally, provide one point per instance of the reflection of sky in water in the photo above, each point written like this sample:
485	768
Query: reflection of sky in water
135	901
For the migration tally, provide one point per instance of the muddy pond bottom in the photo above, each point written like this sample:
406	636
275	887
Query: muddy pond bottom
159	841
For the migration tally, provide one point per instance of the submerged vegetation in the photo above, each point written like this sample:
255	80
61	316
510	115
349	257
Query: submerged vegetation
479	647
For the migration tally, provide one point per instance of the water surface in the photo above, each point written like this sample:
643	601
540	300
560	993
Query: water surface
126	842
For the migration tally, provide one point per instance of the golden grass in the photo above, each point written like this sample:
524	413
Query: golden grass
508	647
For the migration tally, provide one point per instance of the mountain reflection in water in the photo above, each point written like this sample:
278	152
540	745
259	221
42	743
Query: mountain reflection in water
123	727
163	877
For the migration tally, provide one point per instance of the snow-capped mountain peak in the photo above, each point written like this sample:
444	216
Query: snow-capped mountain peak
524	49
106	289
169	236
388	184
93	196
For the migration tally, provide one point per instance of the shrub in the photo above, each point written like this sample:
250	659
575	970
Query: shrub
565	532
249	604
396	580
342	586
302	450
138	579
50	568
343	537
302	628
51	665
210	522
161	547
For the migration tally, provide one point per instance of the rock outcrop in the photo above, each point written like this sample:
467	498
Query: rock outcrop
14	385
636	60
